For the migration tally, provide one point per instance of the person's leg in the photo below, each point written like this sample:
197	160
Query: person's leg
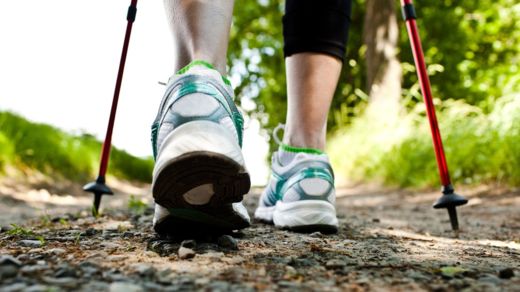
300	195
200	30
315	36
199	176
311	82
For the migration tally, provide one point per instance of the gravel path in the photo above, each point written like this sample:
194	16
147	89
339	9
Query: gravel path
388	240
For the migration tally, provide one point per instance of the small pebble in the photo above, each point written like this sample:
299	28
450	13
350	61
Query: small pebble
417	276
67	282
36	251
165	276
186	253
34	269
93	285
15	287
8	271
219	286
56	251
39	288
9	260
492	279
90	231
116	257
124	287
23	257
144	270
151	286
506	273
335	264
110	245
227	242
213	256
5	228
65	270
30	243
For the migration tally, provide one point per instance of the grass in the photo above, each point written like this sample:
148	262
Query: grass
23	232
480	147
24	144
136	206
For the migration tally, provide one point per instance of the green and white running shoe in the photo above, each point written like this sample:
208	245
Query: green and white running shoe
199	177
300	195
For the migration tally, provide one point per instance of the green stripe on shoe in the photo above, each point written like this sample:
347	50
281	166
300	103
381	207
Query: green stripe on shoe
204	64
288	148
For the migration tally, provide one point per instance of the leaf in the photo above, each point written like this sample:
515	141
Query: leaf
451	271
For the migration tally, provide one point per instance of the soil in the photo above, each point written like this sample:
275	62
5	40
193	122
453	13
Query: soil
388	240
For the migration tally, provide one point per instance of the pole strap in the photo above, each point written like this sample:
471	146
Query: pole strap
408	11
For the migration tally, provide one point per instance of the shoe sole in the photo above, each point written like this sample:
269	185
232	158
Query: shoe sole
193	223
302	216
230	183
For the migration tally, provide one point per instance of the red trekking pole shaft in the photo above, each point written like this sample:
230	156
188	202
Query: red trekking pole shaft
98	187
105	152
424	81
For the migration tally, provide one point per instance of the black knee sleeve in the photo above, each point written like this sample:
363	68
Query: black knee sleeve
316	26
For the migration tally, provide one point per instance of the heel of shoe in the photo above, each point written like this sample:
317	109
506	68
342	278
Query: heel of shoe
199	166
306	216
198	136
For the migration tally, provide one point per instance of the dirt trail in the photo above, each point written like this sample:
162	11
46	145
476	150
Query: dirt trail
38	196
388	240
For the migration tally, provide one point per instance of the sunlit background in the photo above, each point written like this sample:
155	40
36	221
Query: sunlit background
59	59
58	65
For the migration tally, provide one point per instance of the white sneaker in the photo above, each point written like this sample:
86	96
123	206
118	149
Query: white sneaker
300	195
199	178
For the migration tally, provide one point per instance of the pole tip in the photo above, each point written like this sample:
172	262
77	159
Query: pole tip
98	188
452	212
450	200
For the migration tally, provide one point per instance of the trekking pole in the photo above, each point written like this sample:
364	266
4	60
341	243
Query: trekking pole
98	187
449	199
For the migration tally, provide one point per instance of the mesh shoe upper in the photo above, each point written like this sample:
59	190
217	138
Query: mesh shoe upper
306	177
198	93
196	140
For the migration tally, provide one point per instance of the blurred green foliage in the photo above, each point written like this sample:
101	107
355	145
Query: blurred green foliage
480	147
472	51
136	205
471	48
52	151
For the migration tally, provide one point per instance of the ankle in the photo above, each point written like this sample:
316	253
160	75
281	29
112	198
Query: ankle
204	64
304	141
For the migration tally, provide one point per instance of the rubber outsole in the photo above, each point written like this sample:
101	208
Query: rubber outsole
310	228
230	183
196	223
325	229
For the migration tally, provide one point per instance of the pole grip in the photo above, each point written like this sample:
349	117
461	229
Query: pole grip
408	11
132	11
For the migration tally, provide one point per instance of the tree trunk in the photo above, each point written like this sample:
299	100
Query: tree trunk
380	36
